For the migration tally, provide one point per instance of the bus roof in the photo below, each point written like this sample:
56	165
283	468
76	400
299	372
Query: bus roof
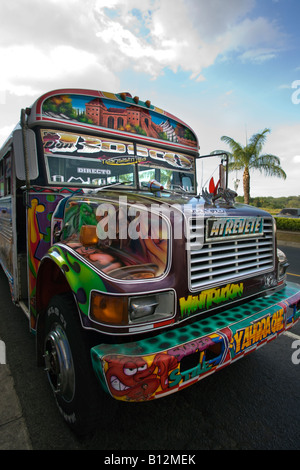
115	114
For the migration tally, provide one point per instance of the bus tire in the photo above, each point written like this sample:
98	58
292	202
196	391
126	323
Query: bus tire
78	395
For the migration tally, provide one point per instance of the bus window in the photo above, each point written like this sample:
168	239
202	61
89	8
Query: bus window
7	175
1	178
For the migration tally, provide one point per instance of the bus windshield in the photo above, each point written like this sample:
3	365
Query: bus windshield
92	161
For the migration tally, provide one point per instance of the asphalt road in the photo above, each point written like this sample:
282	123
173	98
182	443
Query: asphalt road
252	404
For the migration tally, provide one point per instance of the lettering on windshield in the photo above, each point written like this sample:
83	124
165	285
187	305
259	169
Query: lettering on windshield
105	161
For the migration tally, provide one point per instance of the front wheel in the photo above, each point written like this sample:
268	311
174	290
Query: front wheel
78	395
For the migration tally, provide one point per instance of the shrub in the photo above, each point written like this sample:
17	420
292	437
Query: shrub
286	223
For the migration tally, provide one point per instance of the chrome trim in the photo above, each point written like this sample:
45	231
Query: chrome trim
133	327
219	262
59	363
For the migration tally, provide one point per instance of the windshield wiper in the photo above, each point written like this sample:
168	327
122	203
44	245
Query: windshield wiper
145	185
181	187
109	185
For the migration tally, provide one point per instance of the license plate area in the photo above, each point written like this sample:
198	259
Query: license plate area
212	355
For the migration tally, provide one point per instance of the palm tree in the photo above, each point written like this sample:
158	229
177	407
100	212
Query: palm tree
249	158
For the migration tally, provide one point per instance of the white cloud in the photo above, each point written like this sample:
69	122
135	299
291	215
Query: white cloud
284	141
89	43
30	69
73	37
258	55
5	132
186	34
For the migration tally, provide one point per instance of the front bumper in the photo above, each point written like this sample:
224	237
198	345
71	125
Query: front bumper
155	367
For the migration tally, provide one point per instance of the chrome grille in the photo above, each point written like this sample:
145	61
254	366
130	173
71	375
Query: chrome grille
218	262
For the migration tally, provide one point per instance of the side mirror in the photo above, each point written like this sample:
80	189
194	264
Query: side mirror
19	153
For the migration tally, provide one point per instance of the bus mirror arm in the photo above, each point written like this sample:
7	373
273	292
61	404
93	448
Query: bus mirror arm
24	127
25	197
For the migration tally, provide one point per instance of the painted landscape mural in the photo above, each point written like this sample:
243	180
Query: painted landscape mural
118	115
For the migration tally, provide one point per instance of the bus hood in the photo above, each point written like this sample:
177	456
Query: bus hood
128	235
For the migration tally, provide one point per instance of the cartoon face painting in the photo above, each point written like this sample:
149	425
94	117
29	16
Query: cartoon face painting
134	379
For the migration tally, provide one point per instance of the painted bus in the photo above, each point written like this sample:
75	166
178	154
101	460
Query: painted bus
136	283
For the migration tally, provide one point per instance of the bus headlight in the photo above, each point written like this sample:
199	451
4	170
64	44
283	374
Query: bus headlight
122	310
152	307
140	307
282	264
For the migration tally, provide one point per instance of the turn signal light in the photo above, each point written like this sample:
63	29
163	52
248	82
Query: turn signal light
109	309
88	235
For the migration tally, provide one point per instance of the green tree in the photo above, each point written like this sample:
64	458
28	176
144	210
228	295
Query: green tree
249	158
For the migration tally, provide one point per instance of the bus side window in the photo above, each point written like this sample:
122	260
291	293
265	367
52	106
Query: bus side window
1	178
7	175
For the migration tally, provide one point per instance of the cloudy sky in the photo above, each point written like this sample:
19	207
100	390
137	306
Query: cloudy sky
226	67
